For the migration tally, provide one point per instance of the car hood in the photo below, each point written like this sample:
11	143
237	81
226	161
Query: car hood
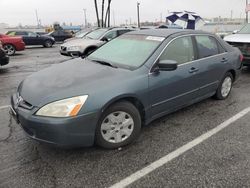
82	42
72	78
244	38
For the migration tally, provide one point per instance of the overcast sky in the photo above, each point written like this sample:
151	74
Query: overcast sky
14	12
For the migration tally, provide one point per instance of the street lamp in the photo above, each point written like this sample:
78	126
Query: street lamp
246	11
138	14
86	24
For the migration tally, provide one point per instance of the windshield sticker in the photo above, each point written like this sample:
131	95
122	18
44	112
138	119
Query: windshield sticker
160	39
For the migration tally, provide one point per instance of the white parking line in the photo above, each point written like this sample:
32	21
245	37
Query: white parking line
162	161
4	107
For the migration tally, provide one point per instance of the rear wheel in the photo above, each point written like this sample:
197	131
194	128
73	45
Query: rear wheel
9	49
48	44
225	87
119	125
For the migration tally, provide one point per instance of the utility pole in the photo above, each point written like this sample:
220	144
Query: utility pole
138	14
85	16
246	11
37	19
113	18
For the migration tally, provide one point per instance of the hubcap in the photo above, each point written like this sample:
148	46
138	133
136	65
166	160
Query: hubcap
226	86
48	44
9	49
117	127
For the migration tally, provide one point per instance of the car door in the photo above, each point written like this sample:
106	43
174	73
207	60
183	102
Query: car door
24	35
34	39
212	59
170	90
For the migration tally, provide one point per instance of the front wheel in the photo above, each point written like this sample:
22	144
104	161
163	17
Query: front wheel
225	87
9	49
119	125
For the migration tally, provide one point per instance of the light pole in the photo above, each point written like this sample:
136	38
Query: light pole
138	14
85	16
246	11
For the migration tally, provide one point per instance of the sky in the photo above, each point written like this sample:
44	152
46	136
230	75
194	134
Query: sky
14	12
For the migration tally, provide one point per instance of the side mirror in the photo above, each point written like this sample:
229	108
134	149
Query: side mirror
105	39
37	35
167	65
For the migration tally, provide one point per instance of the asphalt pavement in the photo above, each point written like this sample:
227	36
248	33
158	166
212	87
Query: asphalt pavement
222	160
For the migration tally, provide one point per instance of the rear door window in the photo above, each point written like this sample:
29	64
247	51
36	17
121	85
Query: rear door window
120	32
207	46
180	50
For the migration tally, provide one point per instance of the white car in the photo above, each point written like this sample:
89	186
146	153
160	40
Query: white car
241	40
92	41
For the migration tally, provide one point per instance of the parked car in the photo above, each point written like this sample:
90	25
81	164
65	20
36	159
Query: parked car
60	35
241	40
91	41
32	38
130	81
80	34
4	59
12	44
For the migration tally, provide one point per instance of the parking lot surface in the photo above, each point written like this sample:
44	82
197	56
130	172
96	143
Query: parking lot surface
223	160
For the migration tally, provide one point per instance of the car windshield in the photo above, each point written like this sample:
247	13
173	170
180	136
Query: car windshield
81	34
245	29
127	51
96	34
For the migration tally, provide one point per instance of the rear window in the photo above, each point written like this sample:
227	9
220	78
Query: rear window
21	33
207	46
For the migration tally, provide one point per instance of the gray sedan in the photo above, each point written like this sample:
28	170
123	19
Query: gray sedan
134	79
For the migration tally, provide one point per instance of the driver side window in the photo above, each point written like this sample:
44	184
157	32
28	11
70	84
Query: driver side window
180	50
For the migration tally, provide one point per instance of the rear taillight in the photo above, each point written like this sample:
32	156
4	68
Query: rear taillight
241	57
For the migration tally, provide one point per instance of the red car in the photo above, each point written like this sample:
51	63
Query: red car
12	44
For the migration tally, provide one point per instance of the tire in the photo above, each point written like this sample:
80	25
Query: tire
9	49
118	126
89	51
225	87
48	44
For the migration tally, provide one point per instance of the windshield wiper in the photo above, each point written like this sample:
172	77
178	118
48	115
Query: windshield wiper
103	63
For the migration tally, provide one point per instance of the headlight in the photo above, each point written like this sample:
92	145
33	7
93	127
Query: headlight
73	48
63	108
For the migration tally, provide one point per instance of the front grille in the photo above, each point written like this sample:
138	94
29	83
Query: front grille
20	102
26	105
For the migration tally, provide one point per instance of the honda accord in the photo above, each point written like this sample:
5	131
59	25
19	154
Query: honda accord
130	81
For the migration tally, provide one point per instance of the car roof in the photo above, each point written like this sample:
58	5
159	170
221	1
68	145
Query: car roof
166	32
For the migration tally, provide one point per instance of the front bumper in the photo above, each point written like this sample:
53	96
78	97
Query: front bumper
71	53
4	60
64	132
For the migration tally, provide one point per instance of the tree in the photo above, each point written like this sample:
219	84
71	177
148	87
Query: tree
107	17
103	1
97	15
104	21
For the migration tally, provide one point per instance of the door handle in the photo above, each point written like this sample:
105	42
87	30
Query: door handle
193	70
224	60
